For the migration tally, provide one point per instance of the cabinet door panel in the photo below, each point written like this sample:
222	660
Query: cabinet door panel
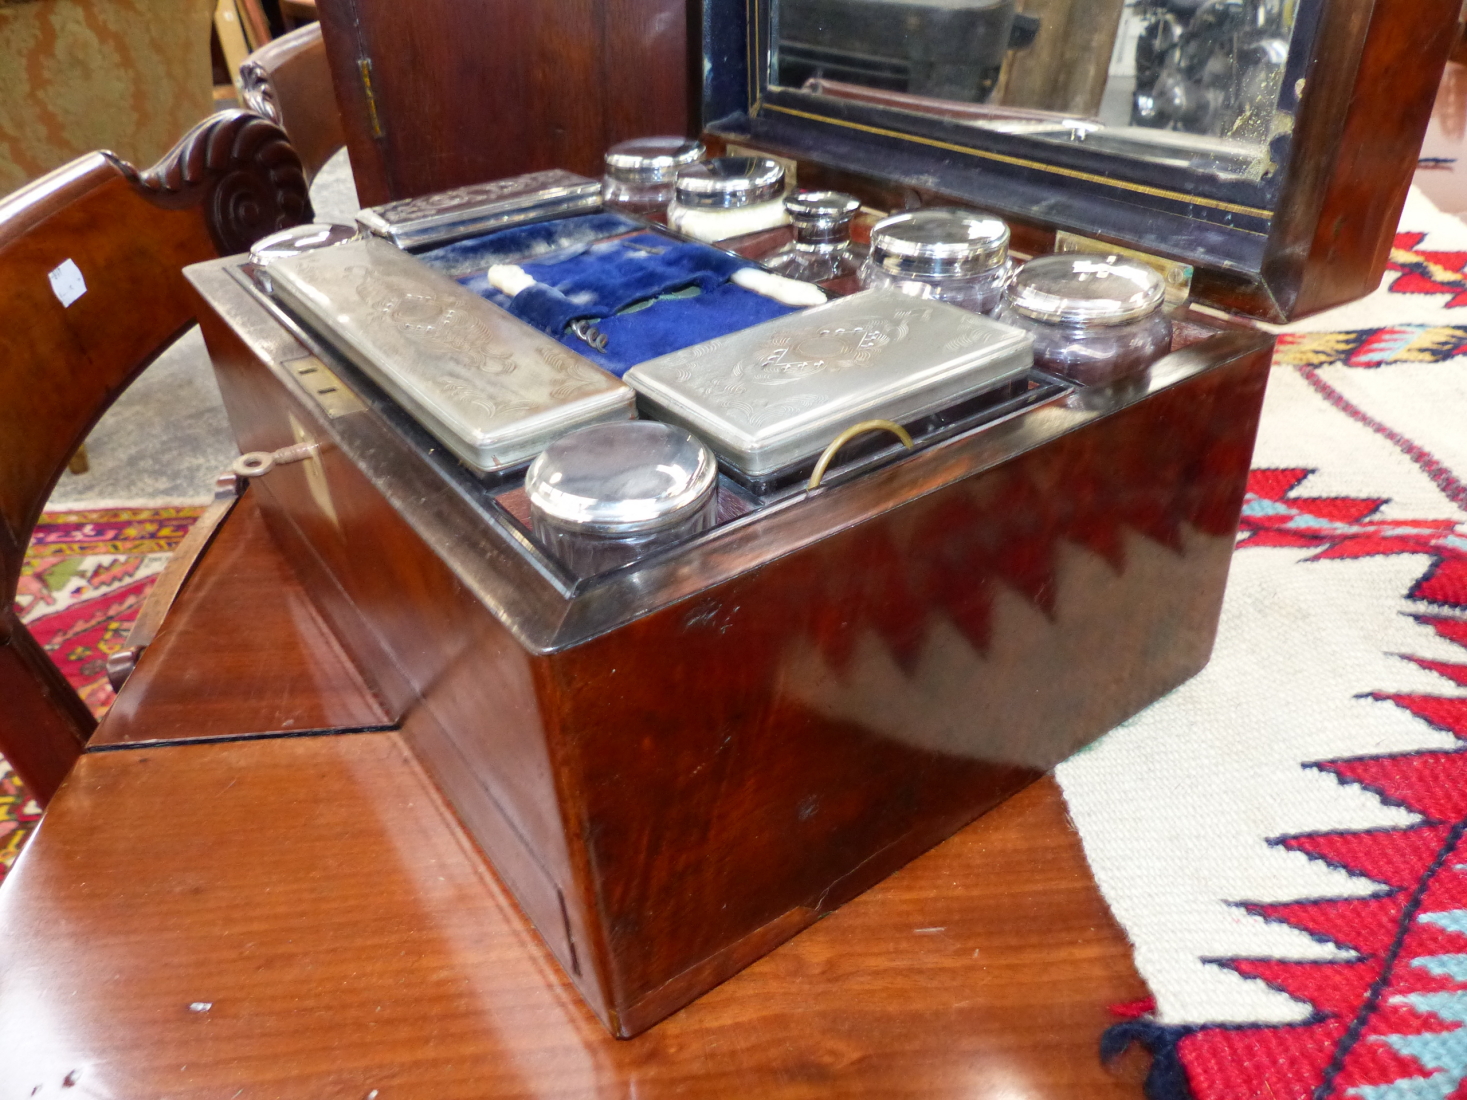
442	93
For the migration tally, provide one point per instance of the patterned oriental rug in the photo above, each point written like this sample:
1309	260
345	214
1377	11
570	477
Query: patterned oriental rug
85	576
1284	837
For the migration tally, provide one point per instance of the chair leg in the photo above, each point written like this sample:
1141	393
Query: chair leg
44	725
79	463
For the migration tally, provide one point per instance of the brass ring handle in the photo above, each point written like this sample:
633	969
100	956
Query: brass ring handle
850	433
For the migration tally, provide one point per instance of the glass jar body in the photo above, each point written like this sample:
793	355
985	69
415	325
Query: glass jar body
587	553
979	293
813	265
641	198
1094	354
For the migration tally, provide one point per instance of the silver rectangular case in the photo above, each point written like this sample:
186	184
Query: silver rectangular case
447	215
494	390
777	393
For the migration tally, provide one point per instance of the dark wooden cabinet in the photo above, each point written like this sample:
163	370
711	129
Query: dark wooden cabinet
441	93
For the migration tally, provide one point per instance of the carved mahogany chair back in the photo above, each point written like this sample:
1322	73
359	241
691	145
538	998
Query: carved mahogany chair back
91	290
289	82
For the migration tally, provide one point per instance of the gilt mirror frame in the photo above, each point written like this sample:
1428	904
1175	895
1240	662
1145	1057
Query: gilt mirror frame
1314	231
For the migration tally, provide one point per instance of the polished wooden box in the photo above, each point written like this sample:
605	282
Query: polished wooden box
677	766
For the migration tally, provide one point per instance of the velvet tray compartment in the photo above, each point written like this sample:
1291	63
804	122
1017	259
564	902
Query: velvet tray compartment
649	292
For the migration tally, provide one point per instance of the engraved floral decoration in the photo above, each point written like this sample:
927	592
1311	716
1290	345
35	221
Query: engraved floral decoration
452	337
786	359
574	376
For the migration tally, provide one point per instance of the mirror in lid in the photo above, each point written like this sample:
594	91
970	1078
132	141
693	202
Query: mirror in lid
1254	140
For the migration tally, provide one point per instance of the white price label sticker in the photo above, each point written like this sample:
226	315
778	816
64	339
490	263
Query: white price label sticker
67	282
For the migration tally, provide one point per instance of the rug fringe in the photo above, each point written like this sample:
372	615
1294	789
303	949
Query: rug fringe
107	504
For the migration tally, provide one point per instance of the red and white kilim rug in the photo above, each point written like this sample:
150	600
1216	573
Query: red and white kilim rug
1284	838
85	577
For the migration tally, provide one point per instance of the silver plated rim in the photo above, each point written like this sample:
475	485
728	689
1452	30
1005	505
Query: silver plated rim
1147	290
825	206
749	180
300	238
571	511
624	163
982	246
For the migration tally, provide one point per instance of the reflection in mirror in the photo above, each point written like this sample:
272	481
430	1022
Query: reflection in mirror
1188	83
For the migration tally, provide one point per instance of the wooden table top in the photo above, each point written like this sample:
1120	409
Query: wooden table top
242	653
303	917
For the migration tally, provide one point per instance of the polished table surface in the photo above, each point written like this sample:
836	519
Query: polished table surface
243	653
257	912
303	917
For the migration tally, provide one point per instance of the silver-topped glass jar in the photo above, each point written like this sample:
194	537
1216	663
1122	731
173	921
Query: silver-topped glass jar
821	249
1094	318
952	255
728	197
609	494
640	174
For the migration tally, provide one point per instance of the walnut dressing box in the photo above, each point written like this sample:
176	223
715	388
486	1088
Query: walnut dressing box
677	765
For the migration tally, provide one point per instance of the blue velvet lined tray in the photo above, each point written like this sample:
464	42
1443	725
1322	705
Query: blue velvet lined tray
579	273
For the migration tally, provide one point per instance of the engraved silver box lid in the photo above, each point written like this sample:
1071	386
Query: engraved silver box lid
776	394
494	390
498	204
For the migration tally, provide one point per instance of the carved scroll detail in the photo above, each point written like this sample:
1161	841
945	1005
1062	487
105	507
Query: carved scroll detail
259	93
242	169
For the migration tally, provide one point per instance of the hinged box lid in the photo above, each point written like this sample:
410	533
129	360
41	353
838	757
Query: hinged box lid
1269	143
489	387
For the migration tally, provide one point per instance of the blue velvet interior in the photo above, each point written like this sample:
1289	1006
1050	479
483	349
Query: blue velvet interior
675	323
595	278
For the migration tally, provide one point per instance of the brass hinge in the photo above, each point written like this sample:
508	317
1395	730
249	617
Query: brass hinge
334	398
364	66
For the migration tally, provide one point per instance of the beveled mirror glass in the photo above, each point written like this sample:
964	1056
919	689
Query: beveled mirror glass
1189	84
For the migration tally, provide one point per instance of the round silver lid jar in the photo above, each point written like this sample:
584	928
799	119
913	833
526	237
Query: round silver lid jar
620	479
298	239
727	182
652	159
1085	289
821	217
939	242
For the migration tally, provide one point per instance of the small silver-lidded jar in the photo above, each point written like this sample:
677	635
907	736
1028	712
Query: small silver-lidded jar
952	255
1094	317
640	173
606	495
728	197
294	241
821	249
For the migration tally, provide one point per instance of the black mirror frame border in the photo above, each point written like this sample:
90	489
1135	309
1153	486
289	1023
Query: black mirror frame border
1315	233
